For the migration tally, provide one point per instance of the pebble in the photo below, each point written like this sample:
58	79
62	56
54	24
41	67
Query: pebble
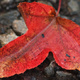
19	26
3	28
6	20
78	75
61	75
33	78
76	20
9	17
54	1
73	4
45	2
64	17
6	1
6	38
51	69
34	75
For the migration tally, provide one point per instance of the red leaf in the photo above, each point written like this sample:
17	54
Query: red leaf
46	33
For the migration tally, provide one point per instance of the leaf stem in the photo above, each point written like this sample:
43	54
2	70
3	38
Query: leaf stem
59	6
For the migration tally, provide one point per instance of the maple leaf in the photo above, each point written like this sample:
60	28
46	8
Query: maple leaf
46	33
